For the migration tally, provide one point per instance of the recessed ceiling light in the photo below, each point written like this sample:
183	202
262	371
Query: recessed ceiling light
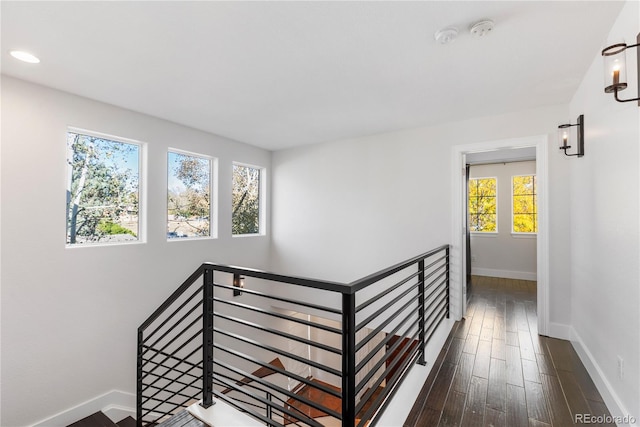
24	56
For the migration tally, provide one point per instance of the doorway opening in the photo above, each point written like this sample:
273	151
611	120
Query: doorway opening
530	156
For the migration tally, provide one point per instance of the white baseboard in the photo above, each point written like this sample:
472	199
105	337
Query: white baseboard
115	404
560	331
507	274
609	395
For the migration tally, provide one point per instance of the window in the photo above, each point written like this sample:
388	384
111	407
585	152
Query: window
482	205
525	217
103	189
245	204
188	196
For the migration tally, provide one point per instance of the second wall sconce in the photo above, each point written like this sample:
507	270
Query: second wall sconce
615	68
238	282
565	139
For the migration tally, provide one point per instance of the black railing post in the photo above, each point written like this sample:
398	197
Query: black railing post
421	360
447	277
207	339
139	382
269	407
348	360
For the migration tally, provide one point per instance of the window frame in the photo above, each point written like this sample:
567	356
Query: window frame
524	234
484	233
262	196
142	186
213	194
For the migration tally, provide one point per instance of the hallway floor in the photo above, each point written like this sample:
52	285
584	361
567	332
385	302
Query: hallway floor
495	370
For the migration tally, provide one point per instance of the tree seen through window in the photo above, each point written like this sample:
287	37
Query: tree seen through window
482	204
525	214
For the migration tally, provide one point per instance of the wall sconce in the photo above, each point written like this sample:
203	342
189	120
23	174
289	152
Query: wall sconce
615	69
238	282
564	136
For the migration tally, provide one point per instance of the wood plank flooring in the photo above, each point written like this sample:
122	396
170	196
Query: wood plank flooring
495	370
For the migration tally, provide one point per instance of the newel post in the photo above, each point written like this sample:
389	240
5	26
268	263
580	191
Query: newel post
207	339
348	360
421	326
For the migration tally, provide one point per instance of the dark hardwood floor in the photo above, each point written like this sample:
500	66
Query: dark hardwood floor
495	370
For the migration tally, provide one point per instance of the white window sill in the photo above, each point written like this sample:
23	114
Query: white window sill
190	239
247	235
524	235
484	234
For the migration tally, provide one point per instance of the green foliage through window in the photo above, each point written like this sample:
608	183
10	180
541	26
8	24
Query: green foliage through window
482	204
525	214
188	196
102	190
245	200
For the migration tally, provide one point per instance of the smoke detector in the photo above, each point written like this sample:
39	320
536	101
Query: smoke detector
481	28
446	35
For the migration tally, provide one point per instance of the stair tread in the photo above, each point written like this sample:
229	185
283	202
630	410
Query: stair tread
127	422
99	419
183	419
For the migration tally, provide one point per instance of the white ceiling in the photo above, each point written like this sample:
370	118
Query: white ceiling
281	74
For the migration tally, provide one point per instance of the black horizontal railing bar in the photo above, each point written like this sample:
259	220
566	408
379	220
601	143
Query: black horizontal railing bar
434	316
279	351
234	403
287	300
161	415
384	293
279	333
444	257
433	325
169	317
198	305
263	400
246	402
174	368
372	278
161	389
149	334
299	281
441	296
385	340
183	395
397	363
385	307
147	373
195	365
381	401
434	271
280	316
178	393
280	371
178	335
363	382
390	318
174	352
273	396
172	396
439	277
174	296
436	293
173	380
275	387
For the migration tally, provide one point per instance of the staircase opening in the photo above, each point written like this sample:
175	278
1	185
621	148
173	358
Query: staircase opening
290	350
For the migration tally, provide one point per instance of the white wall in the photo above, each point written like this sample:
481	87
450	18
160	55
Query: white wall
503	254
69	316
605	233
344	209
